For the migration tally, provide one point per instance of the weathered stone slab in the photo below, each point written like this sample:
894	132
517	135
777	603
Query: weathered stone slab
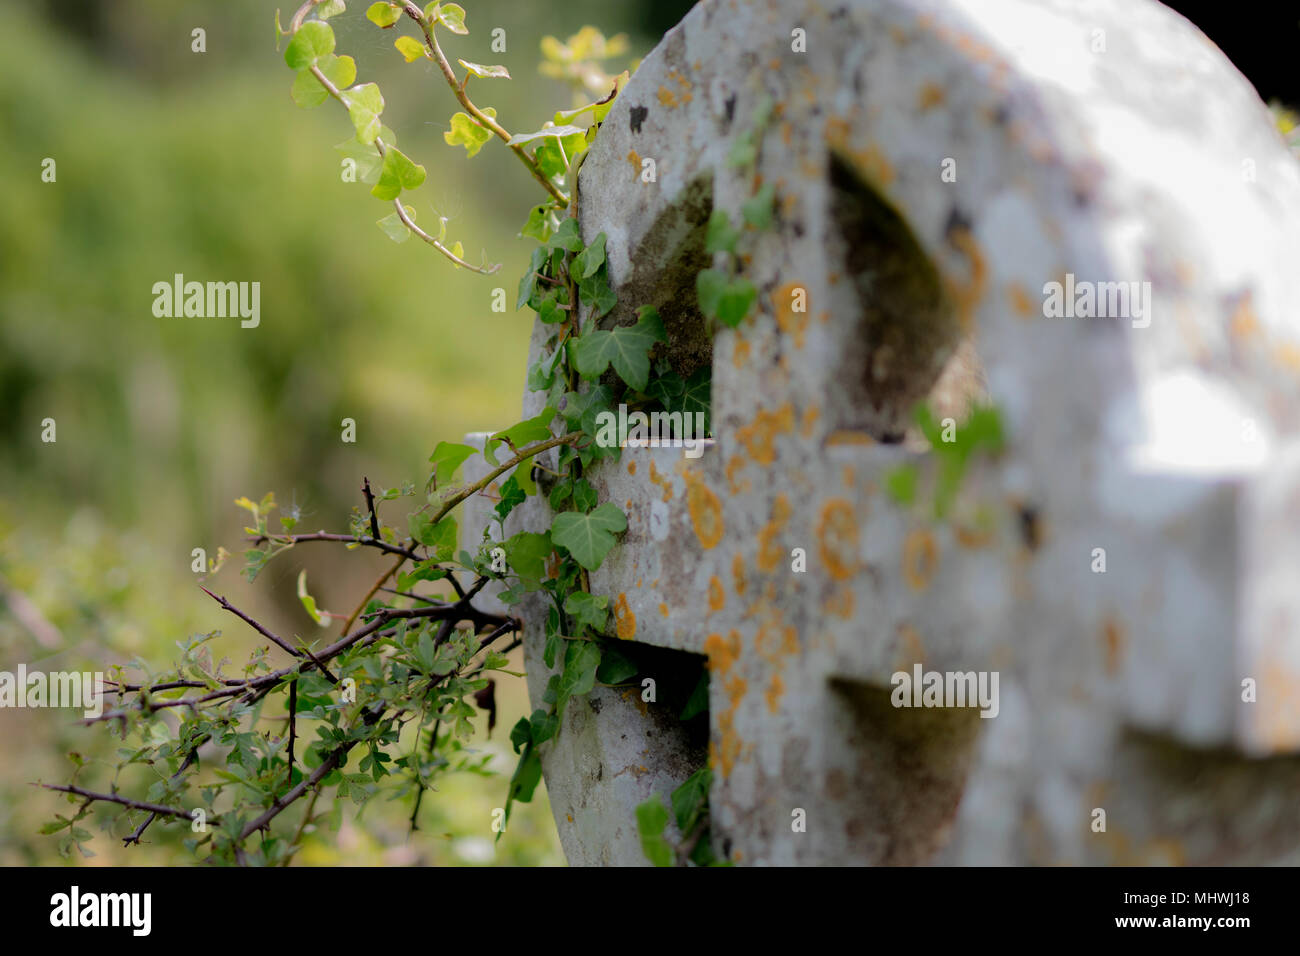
1094	142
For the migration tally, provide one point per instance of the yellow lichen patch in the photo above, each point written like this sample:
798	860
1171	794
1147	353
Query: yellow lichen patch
706	511
791	322
624	619
787	133
966	295
848	436
724	751
663	609
667	98
738	574
1020	301
920	557
717	597
769	552
1289	356
760	435
663	481
809	420
840	603
631	467
972	537
1112	642
734	464
1244	322
774	691
837	538
849	476
875	165
722	652
635	160
824	316
741	353
930	96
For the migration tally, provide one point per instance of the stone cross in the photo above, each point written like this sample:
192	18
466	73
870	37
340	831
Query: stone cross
1078	212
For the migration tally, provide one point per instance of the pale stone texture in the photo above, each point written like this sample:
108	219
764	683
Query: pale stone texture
1172	446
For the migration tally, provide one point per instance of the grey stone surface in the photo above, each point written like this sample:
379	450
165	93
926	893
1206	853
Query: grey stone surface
1173	445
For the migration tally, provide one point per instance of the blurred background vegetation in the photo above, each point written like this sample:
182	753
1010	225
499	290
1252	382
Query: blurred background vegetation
199	163
173	161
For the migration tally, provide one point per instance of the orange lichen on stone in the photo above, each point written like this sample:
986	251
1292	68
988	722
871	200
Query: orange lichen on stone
931	95
624	619
848	436
774	691
663	481
760	435
663	609
920	557
724	750
706	511
738	574
1020	301
631	467
741	354
769	552
837	538
849	476
734	464
1112	640
840	603
717	597
875	164
1289	355
635	160
1244	322
809	420
667	97
972	537
824	316
966	295
791	322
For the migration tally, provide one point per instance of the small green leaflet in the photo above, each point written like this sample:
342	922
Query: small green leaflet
587	610
410	48
312	41
581	659
450	15
651	819
615	667
397	173
626	348
511	495
465	131
589	537
556	132
446	458
526	554
690	799
722	298
719	236
758	210
485	72
589	260
441	537
330	8
393	226
518	435
365	103
383	14
307	91
309	602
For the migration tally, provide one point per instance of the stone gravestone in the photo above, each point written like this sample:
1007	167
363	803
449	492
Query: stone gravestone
1127	570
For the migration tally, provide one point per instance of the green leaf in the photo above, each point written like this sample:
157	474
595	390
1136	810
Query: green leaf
719	235
626	348
367	157
698	703
397	173
544	726
410	48
330	8
722	298
566	237
511	495
312	41
520	733
528	281
446	458
697	396
588	537
527	553
581	659
582	408
759	209
900	484
451	16
309	602
465	131
485	72
690	799
554	155
587	610
393	226
546	132
615	667
308	92
651	819
383	14
538	225
584	496
365	103
520	434
597	293
589	259
441	537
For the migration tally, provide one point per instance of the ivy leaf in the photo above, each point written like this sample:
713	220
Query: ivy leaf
584	496
451	16
526	554
598	293
393	226
365	103
330	8
446	458
615	667
511	495
722	298
587	610
719	236
528	282
485	72
554	154
465	131
697	395
690	799
588	537
651	819
312	41
383	14
590	259
538	225
546	132
397	173
544	726
307	91
626	348
520	434
521	733
566	237
441	537
582	408
759	209
411	48
367	157
581	659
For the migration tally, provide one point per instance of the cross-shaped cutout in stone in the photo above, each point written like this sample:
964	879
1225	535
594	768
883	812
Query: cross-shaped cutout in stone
904	275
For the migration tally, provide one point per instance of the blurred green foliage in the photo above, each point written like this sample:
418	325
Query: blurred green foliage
171	161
